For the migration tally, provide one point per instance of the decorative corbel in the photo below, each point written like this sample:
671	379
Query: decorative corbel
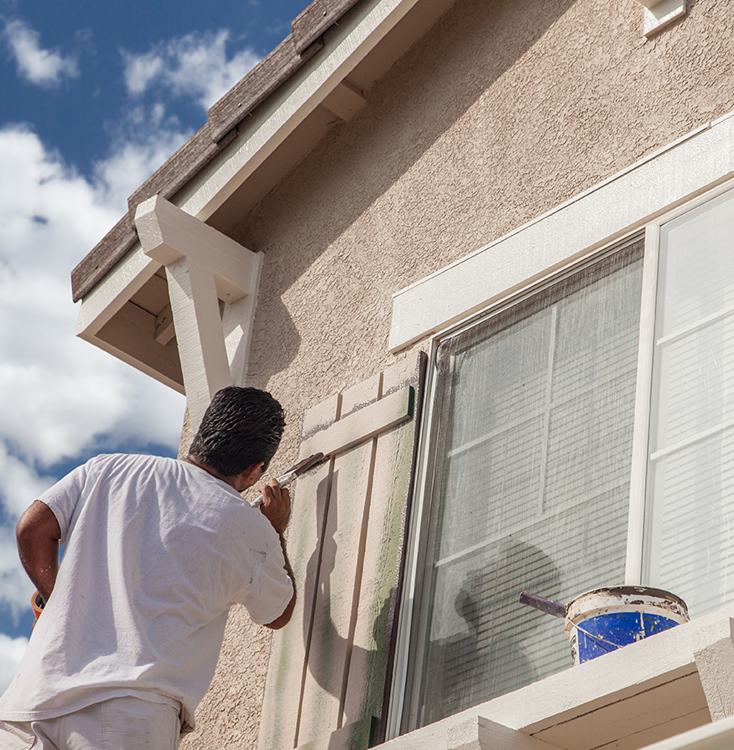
203	266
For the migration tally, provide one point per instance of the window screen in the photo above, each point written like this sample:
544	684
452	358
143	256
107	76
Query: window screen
528	484
690	530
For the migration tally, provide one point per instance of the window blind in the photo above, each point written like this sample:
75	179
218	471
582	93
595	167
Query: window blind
528	484
689	535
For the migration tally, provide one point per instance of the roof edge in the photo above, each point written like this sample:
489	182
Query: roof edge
316	19
220	129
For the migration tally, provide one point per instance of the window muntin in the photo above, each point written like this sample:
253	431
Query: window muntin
534	409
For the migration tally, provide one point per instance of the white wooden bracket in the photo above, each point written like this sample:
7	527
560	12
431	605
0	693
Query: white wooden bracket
344	101
660	13
203	266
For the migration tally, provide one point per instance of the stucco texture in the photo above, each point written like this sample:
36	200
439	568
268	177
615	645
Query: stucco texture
505	109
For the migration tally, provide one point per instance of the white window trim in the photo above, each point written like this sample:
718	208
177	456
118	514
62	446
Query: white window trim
642	188
596	218
643	397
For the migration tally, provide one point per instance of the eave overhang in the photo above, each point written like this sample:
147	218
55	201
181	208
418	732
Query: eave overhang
253	137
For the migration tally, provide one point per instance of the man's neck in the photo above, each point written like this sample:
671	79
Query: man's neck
211	470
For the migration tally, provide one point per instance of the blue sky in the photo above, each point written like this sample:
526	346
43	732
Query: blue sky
93	98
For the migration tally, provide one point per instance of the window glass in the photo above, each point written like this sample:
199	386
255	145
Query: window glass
528	484
690	529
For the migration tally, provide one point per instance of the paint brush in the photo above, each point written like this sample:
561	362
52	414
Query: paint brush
295	471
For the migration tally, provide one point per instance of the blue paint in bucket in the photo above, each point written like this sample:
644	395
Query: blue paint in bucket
604	620
600	635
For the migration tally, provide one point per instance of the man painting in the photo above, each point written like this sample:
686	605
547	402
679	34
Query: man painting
156	552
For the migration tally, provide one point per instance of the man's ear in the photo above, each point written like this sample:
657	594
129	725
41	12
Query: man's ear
250	475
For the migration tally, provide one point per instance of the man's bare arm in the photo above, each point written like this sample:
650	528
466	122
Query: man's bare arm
38	534
285	618
276	508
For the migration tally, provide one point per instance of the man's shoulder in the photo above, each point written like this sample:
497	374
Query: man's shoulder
129	464
141	459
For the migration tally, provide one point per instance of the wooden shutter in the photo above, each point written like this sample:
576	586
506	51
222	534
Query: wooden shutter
328	668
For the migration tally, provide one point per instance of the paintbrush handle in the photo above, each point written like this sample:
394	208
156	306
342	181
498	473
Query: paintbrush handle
549	606
283	480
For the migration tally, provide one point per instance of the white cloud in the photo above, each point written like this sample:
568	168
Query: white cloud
56	391
20	484
135	158
40	66
60	396
11	652
195	65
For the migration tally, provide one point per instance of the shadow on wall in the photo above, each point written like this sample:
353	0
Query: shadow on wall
409	109
471	664
332	656
278	351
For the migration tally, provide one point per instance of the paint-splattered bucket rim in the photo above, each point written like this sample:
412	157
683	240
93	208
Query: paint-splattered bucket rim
611	599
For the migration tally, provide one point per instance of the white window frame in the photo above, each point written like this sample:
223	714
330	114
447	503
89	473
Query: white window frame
699	157
643	397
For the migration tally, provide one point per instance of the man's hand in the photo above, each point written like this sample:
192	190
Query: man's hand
38	534
276	505
276	508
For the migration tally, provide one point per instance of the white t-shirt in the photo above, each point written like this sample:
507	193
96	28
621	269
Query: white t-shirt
157	551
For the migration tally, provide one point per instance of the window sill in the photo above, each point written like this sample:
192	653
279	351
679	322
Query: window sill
647	692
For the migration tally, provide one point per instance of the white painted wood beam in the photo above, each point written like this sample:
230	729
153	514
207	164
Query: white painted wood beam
237	324
660	13
362	425
167	233
344	101
203	266
198	333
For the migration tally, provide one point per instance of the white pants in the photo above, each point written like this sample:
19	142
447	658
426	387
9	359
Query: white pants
115	724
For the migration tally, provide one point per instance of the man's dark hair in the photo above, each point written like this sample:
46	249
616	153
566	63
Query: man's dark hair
241	427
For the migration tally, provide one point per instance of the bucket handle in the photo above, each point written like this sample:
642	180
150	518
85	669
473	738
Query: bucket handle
591	635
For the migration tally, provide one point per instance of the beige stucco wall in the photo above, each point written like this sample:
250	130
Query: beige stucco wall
504	110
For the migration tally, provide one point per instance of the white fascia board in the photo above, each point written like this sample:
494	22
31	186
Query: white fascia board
593	219
348	44
117	287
